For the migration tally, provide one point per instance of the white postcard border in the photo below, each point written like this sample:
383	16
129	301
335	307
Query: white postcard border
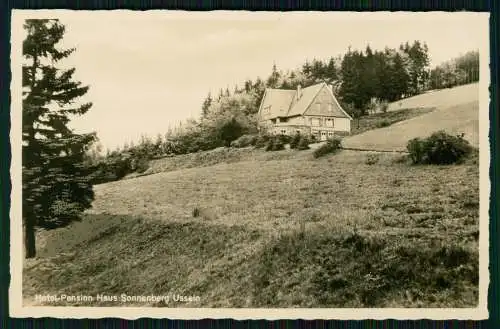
16	251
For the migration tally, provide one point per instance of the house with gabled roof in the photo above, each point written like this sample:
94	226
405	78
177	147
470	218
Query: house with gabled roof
313	110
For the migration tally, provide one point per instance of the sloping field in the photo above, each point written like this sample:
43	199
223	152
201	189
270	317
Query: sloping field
442	98
456	111
282	229
294	232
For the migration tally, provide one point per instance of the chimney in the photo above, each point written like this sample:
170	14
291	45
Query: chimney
299	92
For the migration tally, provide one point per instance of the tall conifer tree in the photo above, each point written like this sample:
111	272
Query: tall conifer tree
55	181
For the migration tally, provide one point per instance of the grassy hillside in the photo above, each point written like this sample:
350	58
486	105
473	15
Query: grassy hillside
381	120
348	230
458	119
213	157
456	111
442	98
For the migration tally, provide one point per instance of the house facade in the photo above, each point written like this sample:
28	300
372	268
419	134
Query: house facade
313	110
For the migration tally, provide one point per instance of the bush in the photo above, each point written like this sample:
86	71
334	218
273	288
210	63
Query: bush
372	159
196	212
278	145
303	143
294	142
383	124
285	139
244	141
275	143
142	165
439	148
331	146
262	140
415	147
230	131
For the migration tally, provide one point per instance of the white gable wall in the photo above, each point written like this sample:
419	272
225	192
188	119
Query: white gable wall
342	124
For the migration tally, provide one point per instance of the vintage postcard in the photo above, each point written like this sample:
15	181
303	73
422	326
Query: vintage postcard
249	165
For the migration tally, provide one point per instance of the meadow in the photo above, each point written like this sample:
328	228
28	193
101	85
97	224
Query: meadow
249	228
354	229
456	111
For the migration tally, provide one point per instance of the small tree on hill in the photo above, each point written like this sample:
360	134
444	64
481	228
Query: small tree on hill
55	181
230	131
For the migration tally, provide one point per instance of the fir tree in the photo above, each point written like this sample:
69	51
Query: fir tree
55	182
272	81
206	105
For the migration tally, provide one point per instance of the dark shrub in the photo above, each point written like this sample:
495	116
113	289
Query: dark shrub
415	147
230	131
284	139
331	146
270	145
372	159
142	165
303	143
244	141
262	140
439	148
294	142
275	143
279	144
383	124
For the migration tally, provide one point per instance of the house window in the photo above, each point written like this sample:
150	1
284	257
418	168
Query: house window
329	122
315	122
330	134
283	131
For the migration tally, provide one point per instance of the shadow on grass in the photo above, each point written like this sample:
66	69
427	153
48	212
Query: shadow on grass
114	255
349	269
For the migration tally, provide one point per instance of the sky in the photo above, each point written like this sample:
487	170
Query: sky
150	70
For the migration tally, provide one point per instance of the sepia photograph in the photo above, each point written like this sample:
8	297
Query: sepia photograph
232	164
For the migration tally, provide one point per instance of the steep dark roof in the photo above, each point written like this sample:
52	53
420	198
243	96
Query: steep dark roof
284	103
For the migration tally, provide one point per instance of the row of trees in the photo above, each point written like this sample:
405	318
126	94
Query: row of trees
358	76
458	71
386	75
